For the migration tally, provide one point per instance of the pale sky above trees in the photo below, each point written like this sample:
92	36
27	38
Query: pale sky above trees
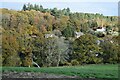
105	8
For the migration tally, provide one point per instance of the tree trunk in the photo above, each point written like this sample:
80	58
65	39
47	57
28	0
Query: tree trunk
36	64
58	59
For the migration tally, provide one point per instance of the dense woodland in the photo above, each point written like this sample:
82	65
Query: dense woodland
41	37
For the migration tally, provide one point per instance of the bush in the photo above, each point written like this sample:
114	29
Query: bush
100	34
74	62
67	64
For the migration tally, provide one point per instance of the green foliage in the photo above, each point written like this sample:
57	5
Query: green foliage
10	48
68	32
86	49
84	27
93	24
24	7
100	34
110	51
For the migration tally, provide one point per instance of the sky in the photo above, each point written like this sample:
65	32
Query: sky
105	8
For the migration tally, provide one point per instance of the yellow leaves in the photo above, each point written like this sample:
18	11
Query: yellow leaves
65	18
23	48
43	29
32	26
9	41
27	62
32	30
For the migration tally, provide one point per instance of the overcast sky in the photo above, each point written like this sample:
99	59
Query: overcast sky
105	8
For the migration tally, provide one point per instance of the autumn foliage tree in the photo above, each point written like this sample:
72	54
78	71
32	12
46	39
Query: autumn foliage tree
24	42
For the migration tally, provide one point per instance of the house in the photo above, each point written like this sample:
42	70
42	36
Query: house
99	41
32	35
101	29
78	34
49	35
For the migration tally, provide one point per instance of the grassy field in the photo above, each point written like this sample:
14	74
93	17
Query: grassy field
86	71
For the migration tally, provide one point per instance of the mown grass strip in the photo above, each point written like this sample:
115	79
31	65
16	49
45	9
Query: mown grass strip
86	71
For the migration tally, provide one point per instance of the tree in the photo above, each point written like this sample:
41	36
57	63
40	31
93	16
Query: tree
86	49
67	12
50	51
93	24
68	31
5	21
62	52
10	49
110	52
24	7
31	7
54	12
36	7
63	22
28	6
41	8
38	49
84	28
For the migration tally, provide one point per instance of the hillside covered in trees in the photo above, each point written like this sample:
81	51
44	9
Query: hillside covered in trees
41	37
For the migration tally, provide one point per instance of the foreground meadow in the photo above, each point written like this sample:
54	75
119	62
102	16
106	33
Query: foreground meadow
84	71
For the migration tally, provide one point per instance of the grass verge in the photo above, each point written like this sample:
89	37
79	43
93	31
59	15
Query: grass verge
86	71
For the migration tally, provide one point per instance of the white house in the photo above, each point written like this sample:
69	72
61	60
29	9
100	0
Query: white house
102	29
49	35
78	34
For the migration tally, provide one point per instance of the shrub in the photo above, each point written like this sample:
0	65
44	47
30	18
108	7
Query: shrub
74	62
67	64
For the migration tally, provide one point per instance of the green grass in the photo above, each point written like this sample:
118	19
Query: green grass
86	71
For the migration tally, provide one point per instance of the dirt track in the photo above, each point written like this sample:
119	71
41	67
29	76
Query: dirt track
40	76
33	75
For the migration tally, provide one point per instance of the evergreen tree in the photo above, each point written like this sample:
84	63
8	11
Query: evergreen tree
24	7
41	8
86	49
31	7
